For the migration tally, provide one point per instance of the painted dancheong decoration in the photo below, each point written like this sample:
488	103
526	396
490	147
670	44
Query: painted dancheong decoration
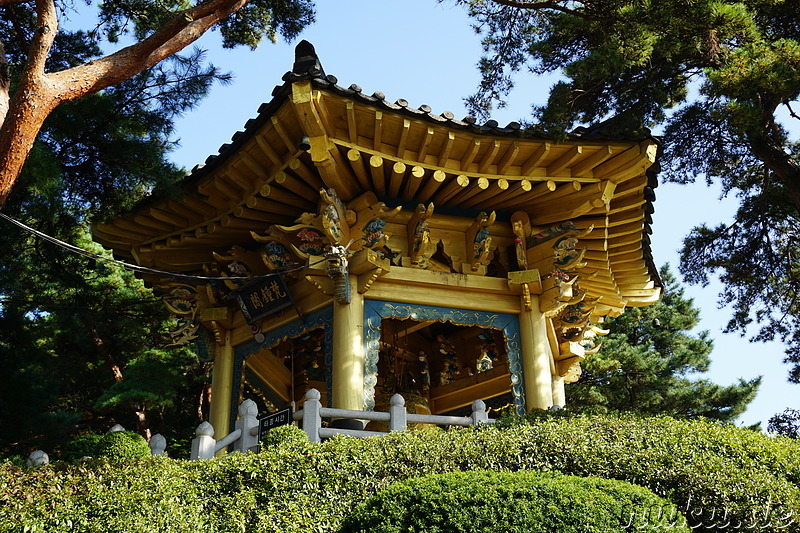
365	247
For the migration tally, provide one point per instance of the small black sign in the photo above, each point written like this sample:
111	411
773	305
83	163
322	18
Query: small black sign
263	299
279	418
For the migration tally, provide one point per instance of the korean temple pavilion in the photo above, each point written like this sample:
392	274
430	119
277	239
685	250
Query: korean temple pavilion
365	247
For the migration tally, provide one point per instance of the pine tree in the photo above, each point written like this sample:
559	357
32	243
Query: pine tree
646	364
722	78
44	66
81	341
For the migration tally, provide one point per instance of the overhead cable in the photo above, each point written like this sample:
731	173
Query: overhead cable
141	269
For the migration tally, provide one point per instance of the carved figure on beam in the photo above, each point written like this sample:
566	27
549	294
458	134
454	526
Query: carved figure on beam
479	242
336	269
521	227
420	246
237	262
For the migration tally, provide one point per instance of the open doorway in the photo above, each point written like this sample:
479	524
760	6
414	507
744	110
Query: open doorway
284	372
440	367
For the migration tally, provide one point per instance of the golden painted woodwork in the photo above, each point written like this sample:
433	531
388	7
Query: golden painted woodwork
268	191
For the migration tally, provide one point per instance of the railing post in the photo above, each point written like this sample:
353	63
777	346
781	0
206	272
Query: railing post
397	413
158	445
248	412
203	445
312	420
479	414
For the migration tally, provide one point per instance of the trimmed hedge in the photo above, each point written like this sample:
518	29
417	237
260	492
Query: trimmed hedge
509	502
123	446
710	472
115	446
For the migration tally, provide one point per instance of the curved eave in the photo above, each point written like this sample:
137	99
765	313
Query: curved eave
404	155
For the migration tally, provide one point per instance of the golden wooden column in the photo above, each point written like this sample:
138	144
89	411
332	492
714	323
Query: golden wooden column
221	388
348	351
535	357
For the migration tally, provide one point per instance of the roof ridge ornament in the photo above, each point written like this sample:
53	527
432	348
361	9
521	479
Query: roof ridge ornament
306	61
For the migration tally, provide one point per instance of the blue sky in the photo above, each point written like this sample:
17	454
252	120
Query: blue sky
425	52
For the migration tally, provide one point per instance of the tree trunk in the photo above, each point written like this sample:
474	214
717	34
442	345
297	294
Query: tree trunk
5	84
139	412
142	423
38	93
775	158
105	353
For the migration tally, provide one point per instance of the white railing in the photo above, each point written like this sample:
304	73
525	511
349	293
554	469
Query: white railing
398	418
245	436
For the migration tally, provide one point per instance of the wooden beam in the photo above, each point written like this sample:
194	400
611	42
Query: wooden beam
169	217
324	113
622	161
463	392
479	185
413	182
197	204
378	132
585	166
255	214
342	165
524	198
268	151
352	128
378	177
557	167
272	372
258	169
424	144
469	155
453	187
433	183
401	143
306	174
534	159
272	207
332	174
291	145
508	158
112	229
549	214
302	99
152	223
243	182
496	187
621	251
130	225
396	179
448	145
357	164
287	197
564	190
488	157
295	185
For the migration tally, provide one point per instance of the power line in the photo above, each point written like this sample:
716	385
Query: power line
138	268
66	305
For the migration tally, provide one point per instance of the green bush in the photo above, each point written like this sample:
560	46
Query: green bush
84	445
500	502
284	435
712	473
122	446
115	446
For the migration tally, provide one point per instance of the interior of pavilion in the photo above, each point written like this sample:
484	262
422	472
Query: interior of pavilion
438	368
